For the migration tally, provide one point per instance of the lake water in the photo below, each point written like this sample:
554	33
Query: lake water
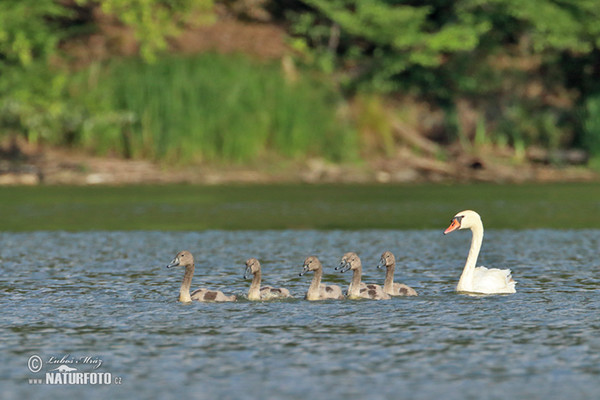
108	296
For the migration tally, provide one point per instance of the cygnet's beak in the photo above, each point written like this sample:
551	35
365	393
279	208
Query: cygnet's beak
304	270
382	263
454	225
174	263
345	266
247	272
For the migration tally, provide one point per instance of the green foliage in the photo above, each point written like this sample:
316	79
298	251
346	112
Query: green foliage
386	40
591	126
34	105
154	21
30	93
212	108
527	124
487	52
374	125
547	25
28	32
34	100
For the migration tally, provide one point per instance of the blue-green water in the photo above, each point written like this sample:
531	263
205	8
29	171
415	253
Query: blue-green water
108	295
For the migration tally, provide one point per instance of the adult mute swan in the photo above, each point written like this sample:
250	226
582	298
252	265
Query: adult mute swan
479	280
185	259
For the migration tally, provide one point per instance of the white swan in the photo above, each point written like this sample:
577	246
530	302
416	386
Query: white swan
480	280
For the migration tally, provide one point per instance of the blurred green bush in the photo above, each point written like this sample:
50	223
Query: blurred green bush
525	66
528	72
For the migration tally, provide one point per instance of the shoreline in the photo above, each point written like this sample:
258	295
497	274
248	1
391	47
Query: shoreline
58	166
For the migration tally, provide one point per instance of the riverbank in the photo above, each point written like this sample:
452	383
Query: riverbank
341	113
22	164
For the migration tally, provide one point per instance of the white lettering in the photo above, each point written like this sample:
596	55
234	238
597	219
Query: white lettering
78	378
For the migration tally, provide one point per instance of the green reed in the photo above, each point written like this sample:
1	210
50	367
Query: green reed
213	107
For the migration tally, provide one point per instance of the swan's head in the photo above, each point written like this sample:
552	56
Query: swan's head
311	263
252	267
183	259
350	261
387	259
464	220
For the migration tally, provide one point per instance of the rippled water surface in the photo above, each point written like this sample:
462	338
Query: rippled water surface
109	296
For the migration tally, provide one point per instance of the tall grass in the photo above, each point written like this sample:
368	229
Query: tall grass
213	107
591	128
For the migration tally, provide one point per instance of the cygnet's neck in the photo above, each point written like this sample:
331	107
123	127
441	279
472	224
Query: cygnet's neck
313	289
388	286
184	291
254	292
354	288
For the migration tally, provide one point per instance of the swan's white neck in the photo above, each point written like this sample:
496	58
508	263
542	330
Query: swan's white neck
465	283
313	289
254	292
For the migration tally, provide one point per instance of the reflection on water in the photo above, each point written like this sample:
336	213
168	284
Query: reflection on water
109	295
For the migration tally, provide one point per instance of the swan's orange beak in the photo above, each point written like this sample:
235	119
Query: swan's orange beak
454	225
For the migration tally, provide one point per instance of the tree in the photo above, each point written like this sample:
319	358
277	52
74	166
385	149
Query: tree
489	52
33	98
154	21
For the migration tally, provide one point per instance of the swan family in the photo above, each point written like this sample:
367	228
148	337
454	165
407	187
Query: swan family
473	280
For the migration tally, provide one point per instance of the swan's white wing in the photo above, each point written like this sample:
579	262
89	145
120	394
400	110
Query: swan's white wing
493	280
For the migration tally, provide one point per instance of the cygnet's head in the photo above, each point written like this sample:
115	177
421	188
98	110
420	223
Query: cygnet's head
183	259
252	267
350	261
387	259
311	263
